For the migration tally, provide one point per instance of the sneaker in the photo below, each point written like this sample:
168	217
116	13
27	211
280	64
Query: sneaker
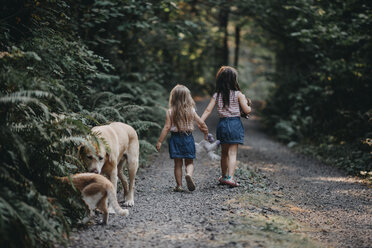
232	182
190	183
178	189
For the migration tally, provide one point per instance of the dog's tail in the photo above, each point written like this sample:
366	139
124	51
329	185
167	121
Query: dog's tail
114	203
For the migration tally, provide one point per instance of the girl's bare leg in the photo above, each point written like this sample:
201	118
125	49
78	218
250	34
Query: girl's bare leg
189	166
189	170
224	158
178	162
232	153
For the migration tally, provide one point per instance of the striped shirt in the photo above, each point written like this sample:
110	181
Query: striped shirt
232	110
185	127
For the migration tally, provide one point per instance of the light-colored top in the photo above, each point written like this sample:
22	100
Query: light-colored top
232	110
185	127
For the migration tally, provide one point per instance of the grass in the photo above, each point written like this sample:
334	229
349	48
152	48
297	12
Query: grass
261	219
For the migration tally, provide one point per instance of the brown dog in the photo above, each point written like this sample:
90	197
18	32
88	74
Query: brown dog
97	192
120	145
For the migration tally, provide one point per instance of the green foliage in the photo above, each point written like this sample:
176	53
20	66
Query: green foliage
32	152
348	156
53	90
66	66
323	74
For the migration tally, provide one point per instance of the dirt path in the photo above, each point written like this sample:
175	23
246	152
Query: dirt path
286	200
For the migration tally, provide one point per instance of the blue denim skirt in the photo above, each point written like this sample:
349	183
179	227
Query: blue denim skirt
230	130
181	145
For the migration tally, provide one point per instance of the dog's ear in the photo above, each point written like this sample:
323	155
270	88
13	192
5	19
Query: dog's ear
81	149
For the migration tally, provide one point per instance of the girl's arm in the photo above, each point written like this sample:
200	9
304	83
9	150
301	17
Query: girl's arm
201	124
209	109
243	103
166	128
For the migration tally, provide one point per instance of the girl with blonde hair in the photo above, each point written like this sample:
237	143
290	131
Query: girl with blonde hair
180	122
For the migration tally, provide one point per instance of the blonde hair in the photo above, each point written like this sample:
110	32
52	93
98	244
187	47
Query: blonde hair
182	108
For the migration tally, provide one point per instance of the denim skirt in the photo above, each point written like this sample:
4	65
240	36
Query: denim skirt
181	145
230	130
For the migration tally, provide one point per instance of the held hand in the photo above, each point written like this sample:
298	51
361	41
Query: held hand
206	136
249	102
158	146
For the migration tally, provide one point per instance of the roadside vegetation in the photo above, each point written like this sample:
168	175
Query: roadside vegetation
66	66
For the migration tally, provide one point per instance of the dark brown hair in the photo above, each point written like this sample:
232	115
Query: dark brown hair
226	80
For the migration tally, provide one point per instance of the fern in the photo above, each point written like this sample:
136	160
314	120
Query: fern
142	126
146	146
25	100
125	108
9	217
111	112
53	90
99	96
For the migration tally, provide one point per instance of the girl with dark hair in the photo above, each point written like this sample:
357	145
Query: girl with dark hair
230	131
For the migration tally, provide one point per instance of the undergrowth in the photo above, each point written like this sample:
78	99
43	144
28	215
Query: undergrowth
53	90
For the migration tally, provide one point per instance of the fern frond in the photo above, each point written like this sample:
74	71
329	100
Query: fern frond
115	114
25	100
141	126
126	108
110	98
75	140
124	96
49	230
147	146
98	96
98	118
7	179
73	159
93	117
38	94
19	145
8	215
18	127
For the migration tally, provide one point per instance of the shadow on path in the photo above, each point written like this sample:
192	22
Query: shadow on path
287	200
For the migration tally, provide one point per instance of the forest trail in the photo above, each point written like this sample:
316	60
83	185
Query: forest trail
286	200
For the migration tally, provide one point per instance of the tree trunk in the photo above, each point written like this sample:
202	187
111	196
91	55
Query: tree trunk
237	45
223	22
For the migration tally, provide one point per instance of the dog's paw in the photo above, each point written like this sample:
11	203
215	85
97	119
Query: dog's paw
111	210
129	203
102	223
124	212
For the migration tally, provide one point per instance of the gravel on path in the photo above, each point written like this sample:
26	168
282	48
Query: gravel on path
286	200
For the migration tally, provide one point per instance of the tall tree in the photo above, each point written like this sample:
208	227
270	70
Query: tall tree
237	44
223	21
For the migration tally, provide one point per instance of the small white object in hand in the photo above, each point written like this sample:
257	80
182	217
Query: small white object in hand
210	147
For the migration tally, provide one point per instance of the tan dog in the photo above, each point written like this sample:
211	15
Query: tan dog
122	146
97	192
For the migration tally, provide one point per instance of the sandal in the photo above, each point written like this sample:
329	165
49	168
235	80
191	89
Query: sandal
190	183
222	180
178	189
232	182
